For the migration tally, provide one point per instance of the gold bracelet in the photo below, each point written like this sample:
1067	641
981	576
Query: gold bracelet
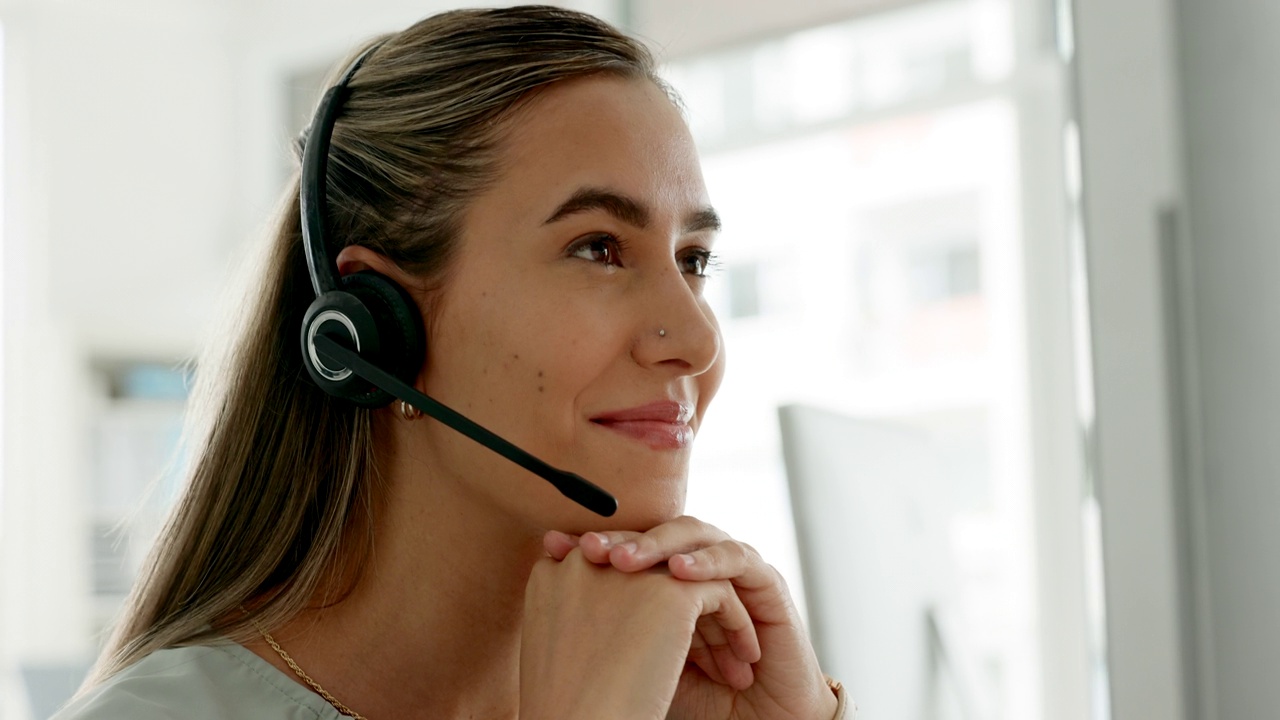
842	701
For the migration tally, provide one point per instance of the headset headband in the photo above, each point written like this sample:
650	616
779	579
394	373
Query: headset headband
315	170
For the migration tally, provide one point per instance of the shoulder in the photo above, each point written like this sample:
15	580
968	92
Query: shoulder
195	683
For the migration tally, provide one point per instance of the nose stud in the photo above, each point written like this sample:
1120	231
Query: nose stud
662	333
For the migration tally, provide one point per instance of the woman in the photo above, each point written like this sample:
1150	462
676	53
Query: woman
527	179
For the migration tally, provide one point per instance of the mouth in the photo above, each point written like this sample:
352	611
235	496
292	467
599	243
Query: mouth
661	425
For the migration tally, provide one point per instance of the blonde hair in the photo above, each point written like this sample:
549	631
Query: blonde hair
283	486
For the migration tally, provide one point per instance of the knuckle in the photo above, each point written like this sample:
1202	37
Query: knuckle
773	570
645	542
697	526
736	551
778	578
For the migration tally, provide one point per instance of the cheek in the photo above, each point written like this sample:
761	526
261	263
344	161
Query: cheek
520	346
467	353
563	353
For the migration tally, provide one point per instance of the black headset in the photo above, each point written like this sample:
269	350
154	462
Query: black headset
362	337
366	309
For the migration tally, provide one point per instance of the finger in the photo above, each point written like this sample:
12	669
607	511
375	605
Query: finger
700	655
760	584
598	546
723	605
558	544
632	552
732	669
727	559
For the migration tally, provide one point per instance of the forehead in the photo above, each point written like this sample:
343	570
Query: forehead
603	131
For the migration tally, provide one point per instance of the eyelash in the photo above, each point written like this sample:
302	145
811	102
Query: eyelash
708	260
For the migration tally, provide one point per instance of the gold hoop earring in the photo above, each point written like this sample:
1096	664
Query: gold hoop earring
409	412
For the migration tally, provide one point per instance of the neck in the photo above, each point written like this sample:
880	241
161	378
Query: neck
432	629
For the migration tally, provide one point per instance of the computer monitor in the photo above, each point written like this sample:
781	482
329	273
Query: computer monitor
870	525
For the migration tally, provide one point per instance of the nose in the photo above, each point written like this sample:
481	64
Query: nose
677	330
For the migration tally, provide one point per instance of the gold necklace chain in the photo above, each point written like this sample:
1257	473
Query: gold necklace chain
303	674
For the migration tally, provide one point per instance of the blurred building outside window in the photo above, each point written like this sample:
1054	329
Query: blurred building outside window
869	176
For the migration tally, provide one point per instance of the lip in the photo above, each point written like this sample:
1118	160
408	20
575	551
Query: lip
662	425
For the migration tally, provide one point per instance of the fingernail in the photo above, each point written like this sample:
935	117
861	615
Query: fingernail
604	540
630	548
686	559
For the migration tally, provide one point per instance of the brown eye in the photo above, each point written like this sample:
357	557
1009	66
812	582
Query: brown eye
602	249
697	262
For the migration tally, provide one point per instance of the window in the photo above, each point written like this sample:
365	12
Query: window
872	181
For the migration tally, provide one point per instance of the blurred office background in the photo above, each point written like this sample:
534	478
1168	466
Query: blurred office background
998	294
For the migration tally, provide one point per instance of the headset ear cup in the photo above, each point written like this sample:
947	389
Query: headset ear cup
401	346
343	316
388	325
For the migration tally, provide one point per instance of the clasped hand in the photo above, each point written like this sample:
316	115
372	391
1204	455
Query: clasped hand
681	621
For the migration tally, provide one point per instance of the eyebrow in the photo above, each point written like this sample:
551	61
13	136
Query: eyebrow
627	209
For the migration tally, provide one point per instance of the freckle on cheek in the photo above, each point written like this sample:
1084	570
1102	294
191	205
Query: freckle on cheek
540	388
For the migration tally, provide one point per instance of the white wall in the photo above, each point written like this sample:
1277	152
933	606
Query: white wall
1127	104
1179	100
127	129
117	184
1229	61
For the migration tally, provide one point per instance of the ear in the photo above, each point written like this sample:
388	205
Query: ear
355	258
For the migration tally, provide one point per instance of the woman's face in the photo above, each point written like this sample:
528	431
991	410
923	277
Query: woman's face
573	322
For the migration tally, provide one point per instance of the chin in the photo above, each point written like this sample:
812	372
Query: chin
646	503
640	508
645	518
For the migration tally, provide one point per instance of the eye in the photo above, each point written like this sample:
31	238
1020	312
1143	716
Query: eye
698	262
599	248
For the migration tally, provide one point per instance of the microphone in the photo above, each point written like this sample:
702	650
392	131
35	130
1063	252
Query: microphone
574	487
